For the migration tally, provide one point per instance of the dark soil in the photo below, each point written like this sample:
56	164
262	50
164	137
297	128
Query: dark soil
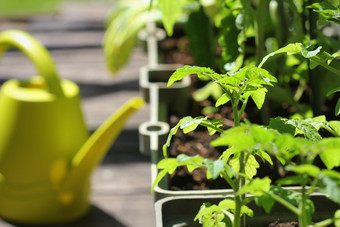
286	224
176	50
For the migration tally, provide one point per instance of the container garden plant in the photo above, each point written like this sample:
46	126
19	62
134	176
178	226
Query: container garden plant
238	165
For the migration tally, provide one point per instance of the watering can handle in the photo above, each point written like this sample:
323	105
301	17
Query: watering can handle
38	55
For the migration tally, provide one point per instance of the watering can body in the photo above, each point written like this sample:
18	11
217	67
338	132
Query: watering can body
46	155
37	141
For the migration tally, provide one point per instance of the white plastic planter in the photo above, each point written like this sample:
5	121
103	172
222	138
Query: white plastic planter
181	211
153	85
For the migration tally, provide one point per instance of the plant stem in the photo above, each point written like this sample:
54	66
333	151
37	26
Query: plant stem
259	15
242	108
237	214
303	218
328	67
324	222
235	112
229	181
284	203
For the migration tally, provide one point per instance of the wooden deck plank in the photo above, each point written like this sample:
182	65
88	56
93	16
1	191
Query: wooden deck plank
121	185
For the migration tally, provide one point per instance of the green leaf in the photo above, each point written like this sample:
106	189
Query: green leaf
168	164
331	173
200	34
307	53
206	209
308	130
262	135
279	124
292	48
292	180
229	204
333	91
188	70
337	108
228	42
331	187
214	216
259	96
214	167
191	162
309	169
335	125
329	152
121	34
308	127
257	187
190	124
172	132
158	178
265	156
222	100
211	89
337	218
171	10
250	167
266	202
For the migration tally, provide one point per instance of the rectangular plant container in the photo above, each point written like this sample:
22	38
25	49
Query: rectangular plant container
181	211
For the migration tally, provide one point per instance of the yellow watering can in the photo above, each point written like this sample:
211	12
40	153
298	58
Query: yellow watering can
46	154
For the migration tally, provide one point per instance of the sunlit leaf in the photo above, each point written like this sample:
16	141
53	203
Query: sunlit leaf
257	187
331	187
222	100
171	10
214	167
309	169
337	218
188	70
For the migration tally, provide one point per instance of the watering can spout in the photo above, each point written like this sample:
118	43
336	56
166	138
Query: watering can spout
94	149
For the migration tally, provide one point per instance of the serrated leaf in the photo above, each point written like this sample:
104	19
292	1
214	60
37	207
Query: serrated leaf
199	31
265	156
279	124
222	100
331	187
250	167
171	10
309	169
258	97
335	125
337	218
189	124
158	178
257	187
331	173
305	127
266	202
188	70
292	48
214	167
172	132
206	209
211	89
292	180
329	152
309	53
168	164
262	135
191	162
228	42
